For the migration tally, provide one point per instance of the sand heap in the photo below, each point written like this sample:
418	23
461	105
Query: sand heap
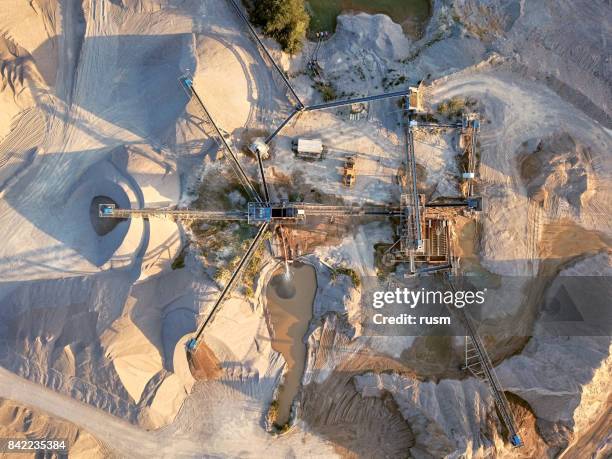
223	64
558	173
103	78
119	348
146	344
377	34
356	58
20	422
566	403
23	71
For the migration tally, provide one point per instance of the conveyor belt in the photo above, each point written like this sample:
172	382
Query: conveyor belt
413	192
318	210
488	373
341	103
175	214
282	125
263	177
265	50
313	210
236	274
438	125
250	189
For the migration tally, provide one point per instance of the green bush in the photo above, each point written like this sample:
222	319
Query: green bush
453	107
328	92
284	20
179	261
351	273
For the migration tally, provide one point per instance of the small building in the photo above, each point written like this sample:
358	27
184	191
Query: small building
308	148
415	99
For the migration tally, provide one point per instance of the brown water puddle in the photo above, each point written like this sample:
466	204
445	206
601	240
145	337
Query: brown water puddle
289	304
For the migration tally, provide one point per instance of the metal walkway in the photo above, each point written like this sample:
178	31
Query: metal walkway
411	182
480	365
341	103
171	214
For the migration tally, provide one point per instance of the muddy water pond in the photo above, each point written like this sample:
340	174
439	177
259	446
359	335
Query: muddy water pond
289	301
413	15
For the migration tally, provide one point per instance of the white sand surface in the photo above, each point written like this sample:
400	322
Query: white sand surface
91	106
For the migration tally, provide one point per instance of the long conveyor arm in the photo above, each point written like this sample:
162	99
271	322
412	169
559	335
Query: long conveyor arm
342	103
192	344
188	85
489	374
107	211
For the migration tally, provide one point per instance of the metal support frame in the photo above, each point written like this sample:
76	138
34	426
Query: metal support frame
341	103
478	362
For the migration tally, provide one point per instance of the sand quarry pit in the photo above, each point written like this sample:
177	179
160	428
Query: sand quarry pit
94	312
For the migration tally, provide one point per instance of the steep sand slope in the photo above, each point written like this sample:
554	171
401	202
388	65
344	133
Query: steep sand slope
20	422
103	311
103	79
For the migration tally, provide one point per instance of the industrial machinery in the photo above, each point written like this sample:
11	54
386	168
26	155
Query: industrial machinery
348	175
424	240
308	148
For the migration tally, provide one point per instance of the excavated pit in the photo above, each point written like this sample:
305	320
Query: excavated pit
102	226
289	301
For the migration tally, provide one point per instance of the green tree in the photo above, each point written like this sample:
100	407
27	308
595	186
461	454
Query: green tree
284	20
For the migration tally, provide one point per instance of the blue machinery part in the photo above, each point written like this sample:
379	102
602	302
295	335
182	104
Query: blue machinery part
516	441
258	213
191	344
106	210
